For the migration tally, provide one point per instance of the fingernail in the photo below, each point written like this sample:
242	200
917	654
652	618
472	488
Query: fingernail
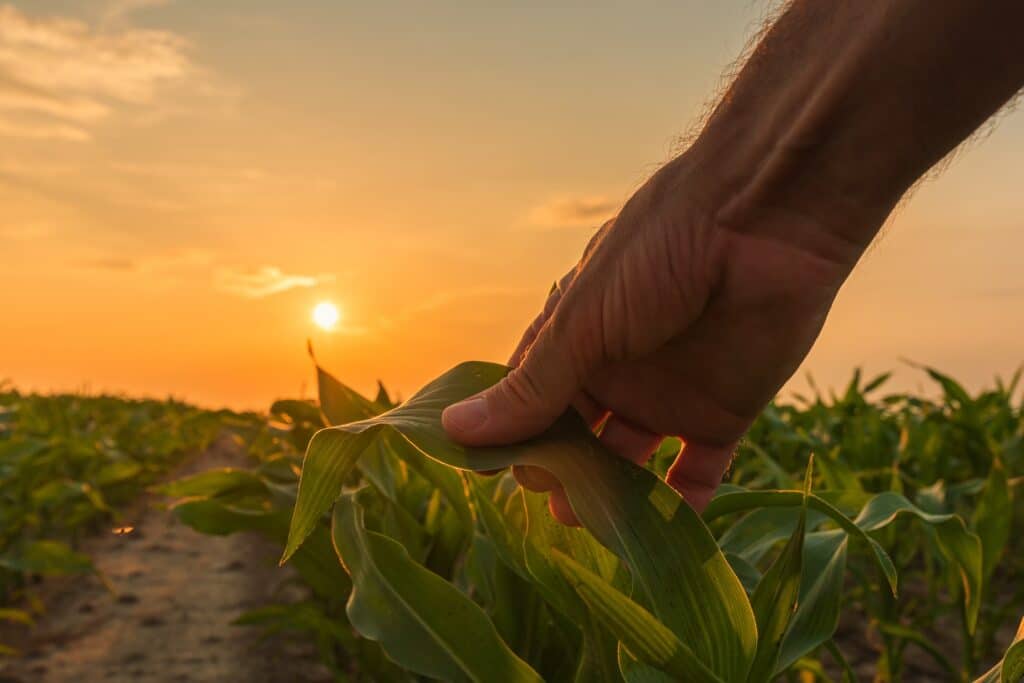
466	416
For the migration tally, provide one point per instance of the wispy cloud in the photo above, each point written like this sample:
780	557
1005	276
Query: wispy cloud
574	211
60	76
193	265
264	281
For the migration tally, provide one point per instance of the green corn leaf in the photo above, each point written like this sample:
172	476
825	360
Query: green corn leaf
993	517
676	566
774	602
817	613
423	622
543	535
757	532
848	674
296	412
49	558
395	522
1010	669
876	382
117	472
221	483
340	403
635	671
383	399
638	630
838	473
740	501
748	574
220	518
1013	665
61	492
953	390
922	641
383	469
446	479
960	546
599	660
771	467
775	598
505	538
301	617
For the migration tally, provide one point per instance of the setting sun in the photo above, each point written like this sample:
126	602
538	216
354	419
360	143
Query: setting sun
326	315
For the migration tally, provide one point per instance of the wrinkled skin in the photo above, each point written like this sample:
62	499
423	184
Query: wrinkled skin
671	324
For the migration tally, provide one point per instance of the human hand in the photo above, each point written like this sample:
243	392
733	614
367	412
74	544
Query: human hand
689	310
672	323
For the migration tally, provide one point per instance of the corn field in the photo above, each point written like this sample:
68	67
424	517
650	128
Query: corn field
856	532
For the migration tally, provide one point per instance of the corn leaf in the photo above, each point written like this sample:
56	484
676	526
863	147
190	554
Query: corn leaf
1010	669
775	598
227	482
922	641
817	613
642	634
49	558
993	517
599	660
740	501
960	546
423	622
676	566
340	403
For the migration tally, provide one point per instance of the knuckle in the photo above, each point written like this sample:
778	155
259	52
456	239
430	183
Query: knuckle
521	387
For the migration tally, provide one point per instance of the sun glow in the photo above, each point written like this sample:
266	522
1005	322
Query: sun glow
326	315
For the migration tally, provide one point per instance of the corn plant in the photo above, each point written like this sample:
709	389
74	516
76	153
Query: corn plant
67	464
419	566
960	454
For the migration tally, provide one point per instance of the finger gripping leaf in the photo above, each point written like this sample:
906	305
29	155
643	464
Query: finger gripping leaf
678	571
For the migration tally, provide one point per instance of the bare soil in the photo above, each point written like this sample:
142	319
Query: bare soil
168	617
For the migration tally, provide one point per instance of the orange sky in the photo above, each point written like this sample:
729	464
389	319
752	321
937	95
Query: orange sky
181	182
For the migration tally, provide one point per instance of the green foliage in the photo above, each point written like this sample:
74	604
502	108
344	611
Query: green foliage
68	463
626	508
438	571
424	623
1010	669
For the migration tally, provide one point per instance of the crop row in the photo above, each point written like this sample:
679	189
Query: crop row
417	566
70	463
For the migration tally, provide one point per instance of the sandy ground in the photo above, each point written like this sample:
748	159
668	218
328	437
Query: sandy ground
175	594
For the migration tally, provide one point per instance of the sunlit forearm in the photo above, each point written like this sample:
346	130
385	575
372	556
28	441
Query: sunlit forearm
844	104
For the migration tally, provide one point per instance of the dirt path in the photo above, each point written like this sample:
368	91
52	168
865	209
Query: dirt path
169	620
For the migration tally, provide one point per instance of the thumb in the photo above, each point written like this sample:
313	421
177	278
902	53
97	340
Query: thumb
528	400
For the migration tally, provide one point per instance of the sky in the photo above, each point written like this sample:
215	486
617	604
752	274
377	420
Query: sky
181	182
